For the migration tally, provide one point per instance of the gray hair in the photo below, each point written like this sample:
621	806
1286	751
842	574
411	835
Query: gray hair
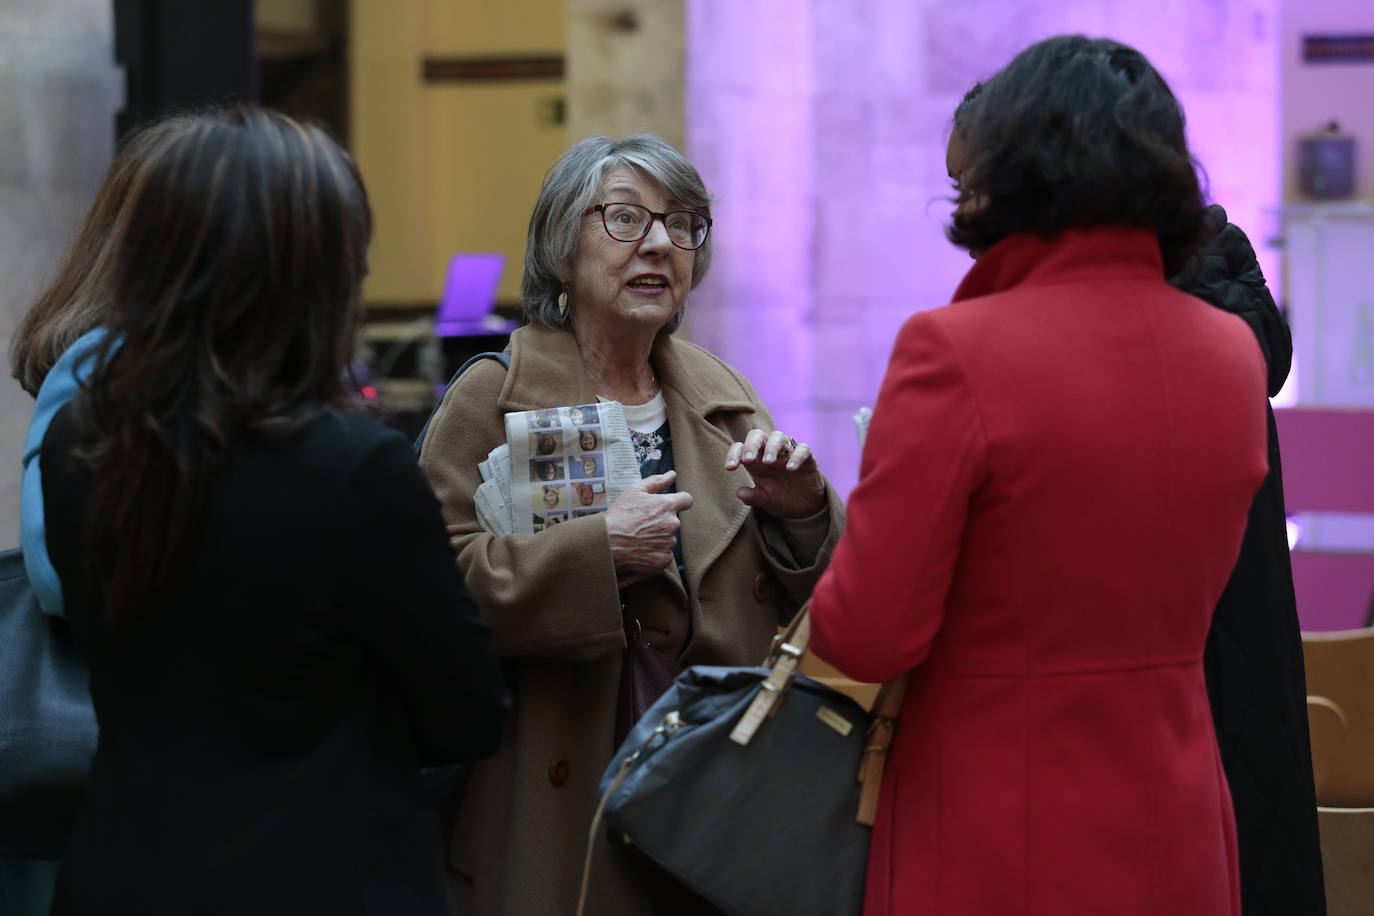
571	187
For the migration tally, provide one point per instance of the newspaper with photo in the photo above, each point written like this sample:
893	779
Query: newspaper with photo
556	464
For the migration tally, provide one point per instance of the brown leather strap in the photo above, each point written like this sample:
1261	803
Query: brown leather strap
882	726
670	724
625	766
784	658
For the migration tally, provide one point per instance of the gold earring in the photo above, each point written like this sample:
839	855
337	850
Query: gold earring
563	303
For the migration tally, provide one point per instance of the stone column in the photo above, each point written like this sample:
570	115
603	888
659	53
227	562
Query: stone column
59	91
821	127
887	81
749	132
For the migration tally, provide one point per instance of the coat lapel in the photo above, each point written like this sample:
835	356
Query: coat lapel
695	391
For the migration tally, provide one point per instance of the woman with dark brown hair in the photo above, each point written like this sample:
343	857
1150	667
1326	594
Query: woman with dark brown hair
257	574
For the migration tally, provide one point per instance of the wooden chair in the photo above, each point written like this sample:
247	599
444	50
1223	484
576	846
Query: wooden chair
1326	725
1340	687
1340	712
1348	860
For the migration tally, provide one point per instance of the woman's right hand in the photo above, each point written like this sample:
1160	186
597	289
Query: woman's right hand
643	525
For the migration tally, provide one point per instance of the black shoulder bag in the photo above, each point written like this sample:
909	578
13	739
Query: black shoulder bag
47	723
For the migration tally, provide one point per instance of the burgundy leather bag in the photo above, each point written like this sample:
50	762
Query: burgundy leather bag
645	675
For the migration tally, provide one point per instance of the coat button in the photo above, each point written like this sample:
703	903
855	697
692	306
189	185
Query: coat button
763	587
558	770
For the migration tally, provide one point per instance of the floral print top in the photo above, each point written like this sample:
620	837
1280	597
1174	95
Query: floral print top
654	451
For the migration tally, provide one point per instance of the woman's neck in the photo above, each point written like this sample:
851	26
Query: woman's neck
618	366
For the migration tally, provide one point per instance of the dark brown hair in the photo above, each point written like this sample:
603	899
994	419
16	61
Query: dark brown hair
78	297
237	260
1076	132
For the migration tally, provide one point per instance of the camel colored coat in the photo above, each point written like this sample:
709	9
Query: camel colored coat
554	609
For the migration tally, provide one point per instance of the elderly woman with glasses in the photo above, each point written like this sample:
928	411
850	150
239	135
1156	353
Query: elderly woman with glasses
720	541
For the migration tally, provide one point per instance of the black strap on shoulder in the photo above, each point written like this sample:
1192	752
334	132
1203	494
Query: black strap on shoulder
502	358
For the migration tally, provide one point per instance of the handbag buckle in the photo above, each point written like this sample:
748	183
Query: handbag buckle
779	691
780	647
659	737
880	733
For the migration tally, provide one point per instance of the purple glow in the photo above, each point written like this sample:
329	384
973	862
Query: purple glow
470	295
1294	526
821	129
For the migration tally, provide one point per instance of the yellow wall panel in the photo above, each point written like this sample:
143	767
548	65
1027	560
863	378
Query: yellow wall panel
451	166
390	138
481	27
499	136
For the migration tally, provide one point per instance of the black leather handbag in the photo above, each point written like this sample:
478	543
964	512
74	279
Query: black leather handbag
756	787
47	724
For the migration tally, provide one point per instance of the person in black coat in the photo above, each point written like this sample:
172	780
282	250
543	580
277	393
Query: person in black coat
1253	659
278	636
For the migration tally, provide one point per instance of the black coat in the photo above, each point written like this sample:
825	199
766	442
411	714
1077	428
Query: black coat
264	725
1253	658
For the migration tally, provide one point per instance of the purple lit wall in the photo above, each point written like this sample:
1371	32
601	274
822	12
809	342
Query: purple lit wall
821	126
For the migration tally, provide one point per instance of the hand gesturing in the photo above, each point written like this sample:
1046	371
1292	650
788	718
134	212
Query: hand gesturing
787	481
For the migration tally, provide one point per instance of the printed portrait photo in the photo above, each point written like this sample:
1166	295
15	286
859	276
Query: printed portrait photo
583	415
546	443
554	518
589	439
586	495
586	466
542	469
546	419
549	495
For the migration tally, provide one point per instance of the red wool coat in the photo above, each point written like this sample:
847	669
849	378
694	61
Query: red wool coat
1052	497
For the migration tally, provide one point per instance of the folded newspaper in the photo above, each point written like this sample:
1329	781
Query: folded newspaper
555	465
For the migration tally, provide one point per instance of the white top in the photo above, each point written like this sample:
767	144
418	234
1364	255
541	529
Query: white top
646	417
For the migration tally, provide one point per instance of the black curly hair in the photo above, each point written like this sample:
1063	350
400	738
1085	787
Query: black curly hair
1076	132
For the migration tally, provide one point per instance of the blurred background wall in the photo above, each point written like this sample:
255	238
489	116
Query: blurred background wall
819	126
59	91
822	128
455	111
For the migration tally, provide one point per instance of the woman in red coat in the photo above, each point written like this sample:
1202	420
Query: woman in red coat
1052	497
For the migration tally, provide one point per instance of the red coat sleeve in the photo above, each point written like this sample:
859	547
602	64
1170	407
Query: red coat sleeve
880	603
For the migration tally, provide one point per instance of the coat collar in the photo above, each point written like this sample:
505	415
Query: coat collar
692	398
1026	259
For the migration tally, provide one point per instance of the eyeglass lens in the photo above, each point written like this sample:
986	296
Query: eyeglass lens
631	222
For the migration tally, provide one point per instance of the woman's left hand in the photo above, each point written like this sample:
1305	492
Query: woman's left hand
787	482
